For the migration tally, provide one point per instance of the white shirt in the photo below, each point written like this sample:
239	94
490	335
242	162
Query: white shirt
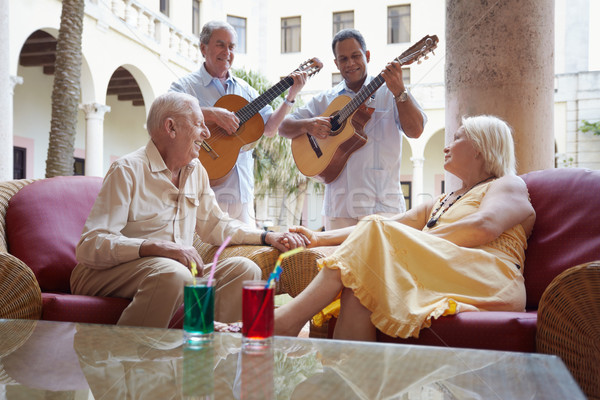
370	181
239	185
138	201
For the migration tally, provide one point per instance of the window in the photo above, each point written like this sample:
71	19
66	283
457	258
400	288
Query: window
164	7
290	35
239	24
406	76
406	192
342	20
336	78
78	166
19	159
196	17
399	24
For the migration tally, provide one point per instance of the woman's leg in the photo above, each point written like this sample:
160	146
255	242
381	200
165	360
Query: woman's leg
354	320
291	317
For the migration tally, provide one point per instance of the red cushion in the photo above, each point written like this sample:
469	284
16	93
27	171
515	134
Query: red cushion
91	309
493	330
44	221
567	228
87	309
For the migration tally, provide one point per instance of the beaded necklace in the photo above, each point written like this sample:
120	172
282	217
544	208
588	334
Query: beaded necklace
434	217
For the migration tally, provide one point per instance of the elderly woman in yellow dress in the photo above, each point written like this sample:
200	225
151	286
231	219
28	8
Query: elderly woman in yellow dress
462	252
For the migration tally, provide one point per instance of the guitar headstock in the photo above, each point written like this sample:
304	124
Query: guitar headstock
311	66
418	50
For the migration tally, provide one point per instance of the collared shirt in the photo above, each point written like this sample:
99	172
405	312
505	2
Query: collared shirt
138	201
370	181
239	185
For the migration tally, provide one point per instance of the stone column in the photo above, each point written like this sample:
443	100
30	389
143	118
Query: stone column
6	124
94	135
417	182
500	61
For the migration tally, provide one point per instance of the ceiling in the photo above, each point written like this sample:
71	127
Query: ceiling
40	51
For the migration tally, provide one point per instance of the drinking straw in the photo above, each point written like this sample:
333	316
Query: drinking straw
216	258
204	307
274	276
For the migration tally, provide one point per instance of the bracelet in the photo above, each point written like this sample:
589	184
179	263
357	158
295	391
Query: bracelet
289	103
263	236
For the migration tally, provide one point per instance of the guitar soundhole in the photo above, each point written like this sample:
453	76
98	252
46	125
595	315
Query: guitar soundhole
336	127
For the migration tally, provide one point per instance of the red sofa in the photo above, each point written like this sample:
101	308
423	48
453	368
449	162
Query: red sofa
43	223
40	224
566	234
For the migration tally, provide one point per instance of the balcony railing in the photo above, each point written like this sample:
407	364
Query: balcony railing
151	29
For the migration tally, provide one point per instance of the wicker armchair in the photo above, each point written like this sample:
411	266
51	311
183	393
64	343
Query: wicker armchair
20	295
569	324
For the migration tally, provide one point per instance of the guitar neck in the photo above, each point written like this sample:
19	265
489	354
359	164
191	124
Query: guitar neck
250	109
362	95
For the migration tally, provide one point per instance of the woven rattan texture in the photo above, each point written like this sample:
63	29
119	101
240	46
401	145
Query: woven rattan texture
7	190
569	324
298	270
20	295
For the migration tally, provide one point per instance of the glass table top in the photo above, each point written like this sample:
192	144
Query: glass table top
58	360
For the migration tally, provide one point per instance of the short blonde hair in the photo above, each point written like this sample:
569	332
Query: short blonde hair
171	104
492	137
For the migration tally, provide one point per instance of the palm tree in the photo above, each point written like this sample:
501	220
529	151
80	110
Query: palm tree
274	166
66	90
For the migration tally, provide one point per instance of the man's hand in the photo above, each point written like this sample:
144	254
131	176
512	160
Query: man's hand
162	248
286	241
224	118
319	127
299	81
392	74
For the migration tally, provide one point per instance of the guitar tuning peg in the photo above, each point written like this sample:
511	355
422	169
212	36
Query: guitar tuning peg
419	61
427	57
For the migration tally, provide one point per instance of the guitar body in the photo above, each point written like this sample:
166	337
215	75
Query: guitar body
324	159
224	148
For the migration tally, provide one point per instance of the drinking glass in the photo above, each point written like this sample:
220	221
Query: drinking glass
199	313
257	313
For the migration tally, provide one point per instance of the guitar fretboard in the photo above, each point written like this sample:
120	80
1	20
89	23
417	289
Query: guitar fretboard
250	109
360	98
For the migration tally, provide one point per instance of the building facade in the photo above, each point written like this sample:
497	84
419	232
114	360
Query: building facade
134	49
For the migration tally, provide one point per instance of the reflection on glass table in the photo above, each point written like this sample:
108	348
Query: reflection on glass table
42	359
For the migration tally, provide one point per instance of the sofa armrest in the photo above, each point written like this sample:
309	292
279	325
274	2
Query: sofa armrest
20	295
298	270
569	323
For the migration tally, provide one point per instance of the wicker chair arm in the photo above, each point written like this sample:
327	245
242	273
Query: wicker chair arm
7	190
20	295
569	324
298	270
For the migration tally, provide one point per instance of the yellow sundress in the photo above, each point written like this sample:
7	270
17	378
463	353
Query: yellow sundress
405	276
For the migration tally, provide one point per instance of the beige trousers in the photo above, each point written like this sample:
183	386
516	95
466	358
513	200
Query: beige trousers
155	285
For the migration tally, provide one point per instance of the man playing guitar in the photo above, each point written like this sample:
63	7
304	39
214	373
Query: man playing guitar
212	81
370	181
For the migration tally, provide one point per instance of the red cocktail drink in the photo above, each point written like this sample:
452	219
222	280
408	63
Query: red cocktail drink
257	311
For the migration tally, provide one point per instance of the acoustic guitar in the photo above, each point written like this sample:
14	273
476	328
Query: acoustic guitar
324	159
220	152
